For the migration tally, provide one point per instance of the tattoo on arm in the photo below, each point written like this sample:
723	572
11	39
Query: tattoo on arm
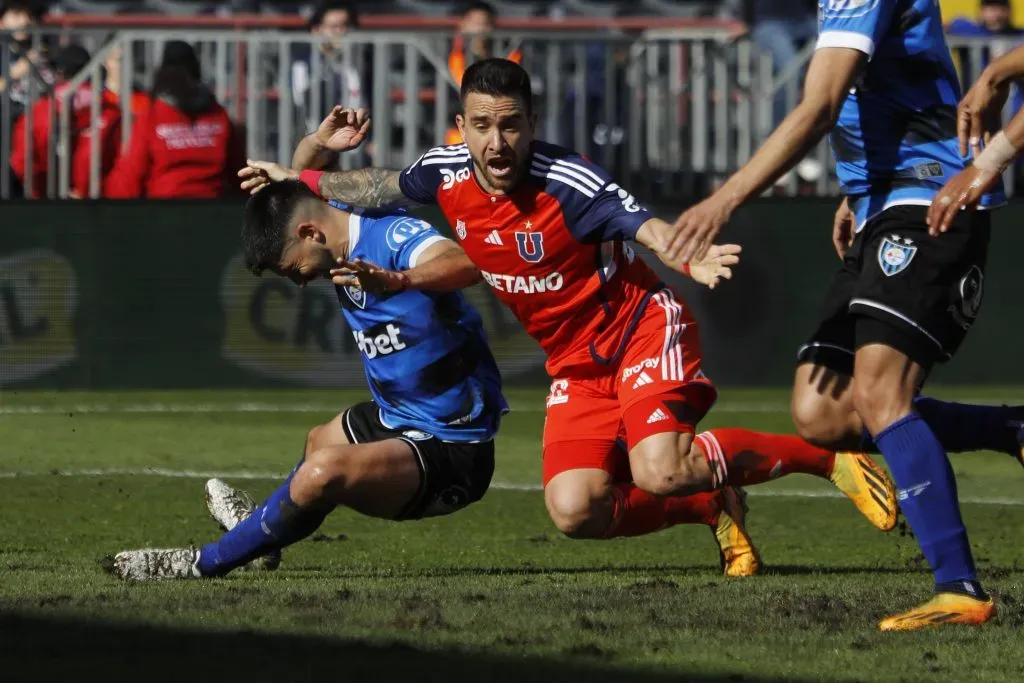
370	188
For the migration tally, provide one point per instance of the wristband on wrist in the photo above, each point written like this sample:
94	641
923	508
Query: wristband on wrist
686	270
997	156
311	179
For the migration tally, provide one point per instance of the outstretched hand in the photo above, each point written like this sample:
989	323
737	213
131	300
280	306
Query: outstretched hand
258	174
963	191
695	230
367	276
343	129
715	266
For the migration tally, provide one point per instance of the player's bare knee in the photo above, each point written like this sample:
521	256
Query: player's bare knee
322	473
816	421
578	512
879	402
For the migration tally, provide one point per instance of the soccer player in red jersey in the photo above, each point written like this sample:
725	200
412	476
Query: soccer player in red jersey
549	231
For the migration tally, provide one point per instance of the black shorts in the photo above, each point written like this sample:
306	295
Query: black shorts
452	474
900	287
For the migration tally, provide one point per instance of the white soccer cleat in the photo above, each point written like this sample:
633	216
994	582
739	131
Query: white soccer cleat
228	506
155	564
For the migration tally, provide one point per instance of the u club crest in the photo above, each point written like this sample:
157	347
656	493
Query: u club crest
895	253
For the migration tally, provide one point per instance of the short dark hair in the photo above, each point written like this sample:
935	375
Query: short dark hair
268	215
325	6
498	77
34	8
479	7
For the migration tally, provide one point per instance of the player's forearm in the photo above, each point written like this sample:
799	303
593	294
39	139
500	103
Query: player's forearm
795	137
310	155
370	188
1015	130
1009	67
448	272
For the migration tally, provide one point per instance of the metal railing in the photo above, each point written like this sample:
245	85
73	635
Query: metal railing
670	111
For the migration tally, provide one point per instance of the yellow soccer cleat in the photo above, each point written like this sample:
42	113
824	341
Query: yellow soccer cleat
736	550
944	608
867	485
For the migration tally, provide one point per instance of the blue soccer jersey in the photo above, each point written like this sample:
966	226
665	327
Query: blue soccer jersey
426	356
895	142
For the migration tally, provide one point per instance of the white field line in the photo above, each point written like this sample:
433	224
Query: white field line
253	407
498	485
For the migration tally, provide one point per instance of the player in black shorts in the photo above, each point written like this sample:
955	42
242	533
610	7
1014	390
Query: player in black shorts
883	82
455	474
422	447
901	288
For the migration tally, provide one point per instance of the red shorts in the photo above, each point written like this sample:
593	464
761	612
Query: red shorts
657	385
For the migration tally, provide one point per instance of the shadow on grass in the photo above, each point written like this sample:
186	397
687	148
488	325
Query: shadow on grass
661	571
37	648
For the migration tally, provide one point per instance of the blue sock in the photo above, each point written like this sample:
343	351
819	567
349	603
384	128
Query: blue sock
927	495
274	524
963	427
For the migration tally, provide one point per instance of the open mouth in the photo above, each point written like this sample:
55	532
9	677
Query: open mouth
500	167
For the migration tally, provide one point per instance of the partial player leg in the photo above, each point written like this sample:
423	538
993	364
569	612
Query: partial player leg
823	413
377	479
380	479
599	502
664	396
228	506
822	402
588	486
915	300
884	398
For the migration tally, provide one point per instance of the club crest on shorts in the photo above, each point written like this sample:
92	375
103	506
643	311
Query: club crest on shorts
460	229
895	254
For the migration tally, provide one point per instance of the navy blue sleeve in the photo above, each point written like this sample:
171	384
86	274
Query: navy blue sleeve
594	208
437	167
856	24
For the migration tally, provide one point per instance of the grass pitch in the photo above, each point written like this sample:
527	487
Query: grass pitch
492	593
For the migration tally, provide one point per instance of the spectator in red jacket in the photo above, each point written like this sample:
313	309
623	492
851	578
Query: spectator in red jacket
184	144
69	61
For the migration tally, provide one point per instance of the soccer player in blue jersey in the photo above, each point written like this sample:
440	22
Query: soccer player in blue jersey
424	446
882	81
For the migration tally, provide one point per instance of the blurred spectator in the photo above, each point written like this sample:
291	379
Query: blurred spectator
68	62
341	81
473	42
782	28
184	145
17	16
994	19
139	98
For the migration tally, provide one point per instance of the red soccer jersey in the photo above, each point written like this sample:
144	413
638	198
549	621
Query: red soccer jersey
553	251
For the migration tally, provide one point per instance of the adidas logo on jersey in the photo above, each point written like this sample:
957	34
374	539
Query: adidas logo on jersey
657	416
642	380
494	238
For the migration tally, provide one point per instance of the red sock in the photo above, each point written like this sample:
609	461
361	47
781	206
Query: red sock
740	457
638	512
